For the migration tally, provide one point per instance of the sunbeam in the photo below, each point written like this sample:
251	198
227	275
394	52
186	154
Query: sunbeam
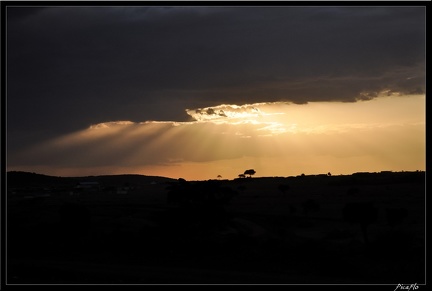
279	139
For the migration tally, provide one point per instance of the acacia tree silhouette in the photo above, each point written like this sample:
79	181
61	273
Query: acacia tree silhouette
250	172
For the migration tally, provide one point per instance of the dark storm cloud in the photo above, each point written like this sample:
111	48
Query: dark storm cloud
69	67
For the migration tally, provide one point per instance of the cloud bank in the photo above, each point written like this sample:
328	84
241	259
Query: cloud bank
84	65
72	67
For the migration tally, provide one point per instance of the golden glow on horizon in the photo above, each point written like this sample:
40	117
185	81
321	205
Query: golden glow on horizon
276	139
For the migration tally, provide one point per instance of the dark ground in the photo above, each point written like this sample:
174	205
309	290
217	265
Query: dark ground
246	231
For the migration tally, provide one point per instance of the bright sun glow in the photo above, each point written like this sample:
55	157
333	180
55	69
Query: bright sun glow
275	139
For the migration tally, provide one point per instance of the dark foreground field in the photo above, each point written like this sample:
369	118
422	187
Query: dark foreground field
247	231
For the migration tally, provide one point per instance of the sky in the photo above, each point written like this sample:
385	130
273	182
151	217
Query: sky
195	92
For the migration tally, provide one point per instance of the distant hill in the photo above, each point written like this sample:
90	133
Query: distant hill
26	179
112	180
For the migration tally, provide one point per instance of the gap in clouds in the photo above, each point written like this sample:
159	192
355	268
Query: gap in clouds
388	131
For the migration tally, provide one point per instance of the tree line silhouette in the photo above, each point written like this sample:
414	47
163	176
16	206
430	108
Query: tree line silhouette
249	172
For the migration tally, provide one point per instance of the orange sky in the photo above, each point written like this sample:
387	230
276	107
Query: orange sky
275	139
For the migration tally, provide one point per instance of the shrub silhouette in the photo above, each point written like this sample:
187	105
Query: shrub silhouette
363	213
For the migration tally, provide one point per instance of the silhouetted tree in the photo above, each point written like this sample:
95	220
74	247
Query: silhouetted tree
363	213
219	176
250	172
329	174
242	176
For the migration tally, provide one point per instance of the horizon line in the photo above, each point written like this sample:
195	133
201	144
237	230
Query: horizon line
221	178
